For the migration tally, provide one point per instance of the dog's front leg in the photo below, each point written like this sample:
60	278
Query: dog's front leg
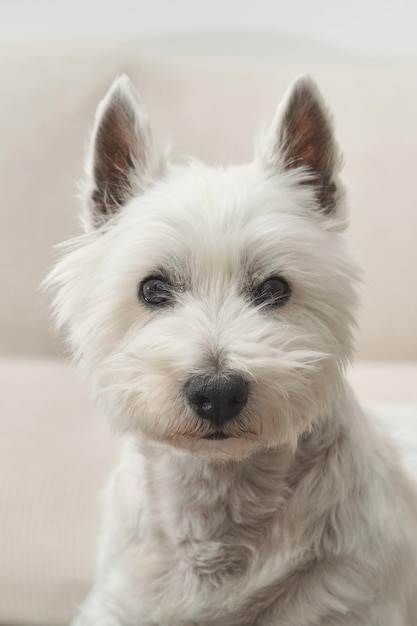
97	611
103	608
115	599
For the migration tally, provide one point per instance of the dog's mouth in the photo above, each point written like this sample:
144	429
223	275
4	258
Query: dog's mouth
216	435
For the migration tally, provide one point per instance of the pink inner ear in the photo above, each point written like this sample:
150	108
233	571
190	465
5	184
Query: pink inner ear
306	140
113	161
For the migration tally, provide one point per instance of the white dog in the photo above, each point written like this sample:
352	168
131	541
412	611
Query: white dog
211	310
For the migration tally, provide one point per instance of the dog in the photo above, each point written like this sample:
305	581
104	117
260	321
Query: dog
212	311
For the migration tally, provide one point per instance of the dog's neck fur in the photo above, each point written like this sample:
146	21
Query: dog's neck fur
204	500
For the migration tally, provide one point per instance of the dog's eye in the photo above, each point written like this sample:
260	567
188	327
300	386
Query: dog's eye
273	291
155	292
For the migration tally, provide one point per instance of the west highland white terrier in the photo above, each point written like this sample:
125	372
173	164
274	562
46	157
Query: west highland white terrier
211	311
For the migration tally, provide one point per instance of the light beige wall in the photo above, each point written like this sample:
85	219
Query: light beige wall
375	29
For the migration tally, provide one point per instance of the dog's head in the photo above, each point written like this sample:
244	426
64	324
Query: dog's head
211	308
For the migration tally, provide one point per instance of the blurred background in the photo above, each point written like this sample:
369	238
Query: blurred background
324	29
211	75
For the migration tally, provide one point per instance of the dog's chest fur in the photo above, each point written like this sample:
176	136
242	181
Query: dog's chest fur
206	533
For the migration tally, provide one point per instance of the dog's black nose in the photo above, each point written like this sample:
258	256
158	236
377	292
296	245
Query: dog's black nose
218	397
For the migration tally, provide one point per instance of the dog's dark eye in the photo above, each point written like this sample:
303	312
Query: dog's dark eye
155	292
273	291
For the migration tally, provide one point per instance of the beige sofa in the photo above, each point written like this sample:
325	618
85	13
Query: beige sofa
55	450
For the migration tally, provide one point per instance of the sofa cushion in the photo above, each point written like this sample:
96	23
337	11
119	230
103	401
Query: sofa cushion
55	452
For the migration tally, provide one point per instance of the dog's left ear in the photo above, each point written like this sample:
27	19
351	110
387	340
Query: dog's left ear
121	160
302	136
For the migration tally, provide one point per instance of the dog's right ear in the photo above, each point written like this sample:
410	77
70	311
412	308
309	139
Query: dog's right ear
121	160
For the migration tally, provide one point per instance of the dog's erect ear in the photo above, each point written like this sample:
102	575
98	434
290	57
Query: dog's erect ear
302	136
121	159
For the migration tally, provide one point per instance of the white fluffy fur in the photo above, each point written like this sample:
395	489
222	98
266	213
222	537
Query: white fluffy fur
303	516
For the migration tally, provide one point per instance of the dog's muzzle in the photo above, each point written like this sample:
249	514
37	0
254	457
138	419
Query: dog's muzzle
217	398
